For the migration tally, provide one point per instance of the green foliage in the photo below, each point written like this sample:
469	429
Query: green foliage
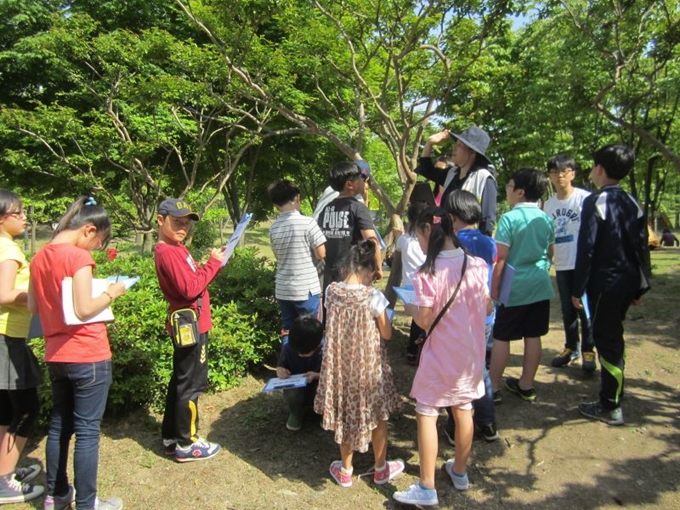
142	349
249	280
203	237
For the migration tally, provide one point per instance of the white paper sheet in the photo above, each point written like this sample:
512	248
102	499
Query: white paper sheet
289	383
99	285
235	237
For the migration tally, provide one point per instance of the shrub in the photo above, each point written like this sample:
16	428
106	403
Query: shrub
249	281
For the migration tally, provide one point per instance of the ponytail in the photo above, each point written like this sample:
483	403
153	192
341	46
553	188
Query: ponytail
441	227
359	259
85	211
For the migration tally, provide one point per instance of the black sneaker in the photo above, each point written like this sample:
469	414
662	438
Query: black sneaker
497	397
489	432
588	362
596	411
512	384
565	357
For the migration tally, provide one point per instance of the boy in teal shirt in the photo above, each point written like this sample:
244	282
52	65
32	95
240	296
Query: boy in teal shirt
524	239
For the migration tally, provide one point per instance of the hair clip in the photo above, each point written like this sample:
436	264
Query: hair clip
90	201
436	220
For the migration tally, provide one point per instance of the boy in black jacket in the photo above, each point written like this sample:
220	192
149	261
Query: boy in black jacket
611	268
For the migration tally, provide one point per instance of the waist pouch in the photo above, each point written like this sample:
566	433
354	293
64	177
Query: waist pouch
184	327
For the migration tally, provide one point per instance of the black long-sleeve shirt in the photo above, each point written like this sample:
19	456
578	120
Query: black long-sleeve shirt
612	242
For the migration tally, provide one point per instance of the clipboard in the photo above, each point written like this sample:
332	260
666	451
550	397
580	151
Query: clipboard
129	281
407	294
99	285
505	285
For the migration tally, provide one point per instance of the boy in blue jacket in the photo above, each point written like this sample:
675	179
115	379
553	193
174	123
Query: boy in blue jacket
611	268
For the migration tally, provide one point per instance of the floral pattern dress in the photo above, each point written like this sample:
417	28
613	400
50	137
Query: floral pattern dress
356	388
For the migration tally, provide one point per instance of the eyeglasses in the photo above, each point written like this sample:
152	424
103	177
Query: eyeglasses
363	176
563	171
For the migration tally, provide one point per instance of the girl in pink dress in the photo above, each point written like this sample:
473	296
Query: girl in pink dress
452	359
356	393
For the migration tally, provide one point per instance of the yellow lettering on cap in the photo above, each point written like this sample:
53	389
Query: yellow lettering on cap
183	205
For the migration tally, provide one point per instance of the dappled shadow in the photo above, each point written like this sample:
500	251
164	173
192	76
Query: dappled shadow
537	440
142	426
254	430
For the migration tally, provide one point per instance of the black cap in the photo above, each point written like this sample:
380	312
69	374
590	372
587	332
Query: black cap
176	207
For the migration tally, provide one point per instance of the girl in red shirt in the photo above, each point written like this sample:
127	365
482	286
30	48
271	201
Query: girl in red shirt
78	356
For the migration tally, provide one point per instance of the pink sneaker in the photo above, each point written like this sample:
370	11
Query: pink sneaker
342	479
392	469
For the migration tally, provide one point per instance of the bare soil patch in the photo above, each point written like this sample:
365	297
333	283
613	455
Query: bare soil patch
548	455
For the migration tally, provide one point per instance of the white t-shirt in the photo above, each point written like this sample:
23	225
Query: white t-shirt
412	257
566	216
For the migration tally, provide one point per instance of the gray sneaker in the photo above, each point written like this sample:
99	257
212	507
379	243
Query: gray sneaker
26	474
109	504
596	411
61	502
13	491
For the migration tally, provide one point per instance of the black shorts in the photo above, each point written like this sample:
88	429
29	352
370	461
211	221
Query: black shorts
517	322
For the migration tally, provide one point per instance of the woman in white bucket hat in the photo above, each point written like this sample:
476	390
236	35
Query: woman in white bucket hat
472	171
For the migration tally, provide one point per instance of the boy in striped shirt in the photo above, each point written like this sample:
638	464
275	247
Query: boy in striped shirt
296	241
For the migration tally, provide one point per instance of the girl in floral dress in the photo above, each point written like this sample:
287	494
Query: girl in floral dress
356	393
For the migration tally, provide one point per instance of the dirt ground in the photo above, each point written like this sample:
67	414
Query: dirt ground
548	455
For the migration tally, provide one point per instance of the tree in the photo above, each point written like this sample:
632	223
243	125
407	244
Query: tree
634	46
144	115
347	71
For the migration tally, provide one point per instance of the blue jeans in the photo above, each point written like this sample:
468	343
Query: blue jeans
571	316
79	393
290	310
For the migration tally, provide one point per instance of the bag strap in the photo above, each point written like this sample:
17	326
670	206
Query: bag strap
451	299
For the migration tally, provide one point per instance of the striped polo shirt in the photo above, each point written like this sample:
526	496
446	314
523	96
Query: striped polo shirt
293	237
